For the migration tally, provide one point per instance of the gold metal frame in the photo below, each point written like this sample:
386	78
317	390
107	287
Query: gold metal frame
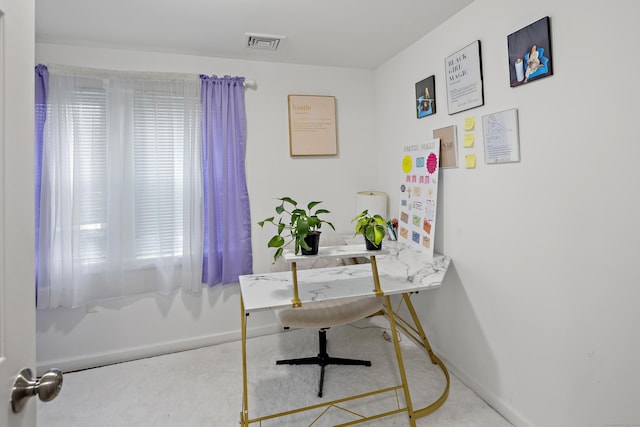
376	277
295	301
414	330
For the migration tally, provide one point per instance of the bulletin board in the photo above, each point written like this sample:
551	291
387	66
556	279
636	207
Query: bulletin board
418	195
312	125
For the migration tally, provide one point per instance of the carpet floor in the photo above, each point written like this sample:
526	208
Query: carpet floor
203	387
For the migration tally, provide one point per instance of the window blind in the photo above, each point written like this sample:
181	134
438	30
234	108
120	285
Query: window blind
157	170
158	134
89	164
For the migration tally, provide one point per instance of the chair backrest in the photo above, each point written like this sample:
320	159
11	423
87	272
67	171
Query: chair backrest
325	314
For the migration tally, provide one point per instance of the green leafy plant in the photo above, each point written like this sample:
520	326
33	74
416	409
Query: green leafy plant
294	224
372	227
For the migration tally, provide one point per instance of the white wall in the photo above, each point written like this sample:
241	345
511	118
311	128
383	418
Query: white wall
140	326
540	310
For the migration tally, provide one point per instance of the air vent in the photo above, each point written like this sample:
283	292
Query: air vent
263	41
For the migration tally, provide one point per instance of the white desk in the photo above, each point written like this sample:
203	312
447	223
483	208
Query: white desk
402	271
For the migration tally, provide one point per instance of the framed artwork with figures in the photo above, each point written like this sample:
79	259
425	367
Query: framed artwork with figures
530	53
426	97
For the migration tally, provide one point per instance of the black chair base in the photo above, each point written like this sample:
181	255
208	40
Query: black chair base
323	359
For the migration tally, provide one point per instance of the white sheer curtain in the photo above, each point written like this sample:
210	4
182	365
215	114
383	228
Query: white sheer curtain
121	189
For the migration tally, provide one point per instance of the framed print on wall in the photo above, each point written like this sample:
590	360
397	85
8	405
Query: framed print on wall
501	137
312	125
464	79
448	146
530	53
426	97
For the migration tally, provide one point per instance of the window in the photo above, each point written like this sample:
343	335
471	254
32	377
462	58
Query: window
124	185
155	222
121	156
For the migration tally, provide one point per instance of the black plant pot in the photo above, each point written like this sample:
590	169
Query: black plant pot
371	246
313	240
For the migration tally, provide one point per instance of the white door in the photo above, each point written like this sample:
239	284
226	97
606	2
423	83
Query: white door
17	293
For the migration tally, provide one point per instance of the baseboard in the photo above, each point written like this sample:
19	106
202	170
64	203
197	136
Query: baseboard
134	353
503	408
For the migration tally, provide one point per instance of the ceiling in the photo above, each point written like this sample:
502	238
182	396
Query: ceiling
343	33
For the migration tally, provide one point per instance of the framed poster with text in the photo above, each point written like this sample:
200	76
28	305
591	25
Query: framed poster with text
312	125
464	79
418	195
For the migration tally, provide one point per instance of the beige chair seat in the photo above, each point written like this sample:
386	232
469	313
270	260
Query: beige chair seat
325	314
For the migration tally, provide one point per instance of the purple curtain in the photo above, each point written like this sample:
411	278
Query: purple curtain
42	82
227	227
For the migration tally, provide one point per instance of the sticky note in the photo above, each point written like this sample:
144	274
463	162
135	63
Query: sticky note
468	140
469	123
407	164
470	161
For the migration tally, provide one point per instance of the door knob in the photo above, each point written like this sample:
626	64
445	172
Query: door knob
25	386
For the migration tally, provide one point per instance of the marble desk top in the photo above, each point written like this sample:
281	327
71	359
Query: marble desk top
401	269
340	251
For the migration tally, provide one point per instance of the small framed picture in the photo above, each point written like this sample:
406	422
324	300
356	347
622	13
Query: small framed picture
530	53
426	97
448	146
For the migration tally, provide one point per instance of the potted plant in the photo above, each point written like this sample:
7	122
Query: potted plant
294	224
372	227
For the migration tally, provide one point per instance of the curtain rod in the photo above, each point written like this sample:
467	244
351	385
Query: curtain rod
100	73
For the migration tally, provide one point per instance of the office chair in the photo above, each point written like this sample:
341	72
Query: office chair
323	315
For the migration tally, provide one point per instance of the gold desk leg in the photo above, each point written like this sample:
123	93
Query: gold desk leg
418	325
434	359
296	299
376	277
244	415
403	375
